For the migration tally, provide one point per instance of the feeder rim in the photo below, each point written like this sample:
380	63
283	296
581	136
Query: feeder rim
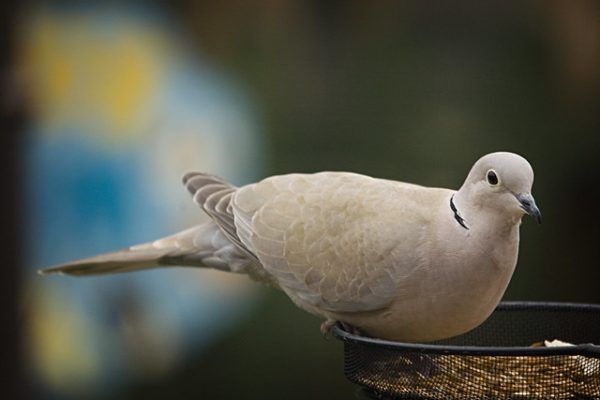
584	349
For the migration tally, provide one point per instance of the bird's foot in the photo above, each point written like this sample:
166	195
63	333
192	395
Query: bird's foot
328	325
351	329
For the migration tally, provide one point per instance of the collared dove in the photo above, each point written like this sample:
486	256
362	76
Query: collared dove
394	260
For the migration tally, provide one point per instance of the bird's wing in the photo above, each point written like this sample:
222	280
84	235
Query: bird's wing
336	241
214	196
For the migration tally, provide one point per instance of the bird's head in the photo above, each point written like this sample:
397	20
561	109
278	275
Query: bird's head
502	181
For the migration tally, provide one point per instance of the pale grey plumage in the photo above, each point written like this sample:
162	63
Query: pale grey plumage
393	259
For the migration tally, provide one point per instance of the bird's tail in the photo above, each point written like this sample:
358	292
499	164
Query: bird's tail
200	246
126	260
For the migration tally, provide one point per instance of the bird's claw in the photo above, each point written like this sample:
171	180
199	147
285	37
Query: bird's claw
351	329
326	327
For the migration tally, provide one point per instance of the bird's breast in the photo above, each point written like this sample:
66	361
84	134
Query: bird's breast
454	290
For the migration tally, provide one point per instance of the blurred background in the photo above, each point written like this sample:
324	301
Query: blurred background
104	106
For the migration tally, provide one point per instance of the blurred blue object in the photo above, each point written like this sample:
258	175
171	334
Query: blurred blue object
122	110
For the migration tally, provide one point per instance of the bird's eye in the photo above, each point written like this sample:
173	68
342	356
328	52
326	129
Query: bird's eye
492	178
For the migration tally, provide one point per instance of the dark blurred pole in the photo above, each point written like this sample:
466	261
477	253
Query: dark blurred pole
11	122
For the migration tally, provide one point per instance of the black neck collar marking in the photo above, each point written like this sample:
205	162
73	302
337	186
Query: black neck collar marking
457	216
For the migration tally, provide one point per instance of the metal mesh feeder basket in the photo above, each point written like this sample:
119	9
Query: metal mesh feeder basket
507	357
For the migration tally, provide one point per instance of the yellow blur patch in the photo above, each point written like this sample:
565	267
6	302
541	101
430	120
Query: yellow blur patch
60	340
83	72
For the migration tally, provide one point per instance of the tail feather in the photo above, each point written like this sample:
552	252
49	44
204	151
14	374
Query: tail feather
126	260
201	246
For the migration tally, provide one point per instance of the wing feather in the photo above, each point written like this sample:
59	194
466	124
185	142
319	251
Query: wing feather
326	239
214	196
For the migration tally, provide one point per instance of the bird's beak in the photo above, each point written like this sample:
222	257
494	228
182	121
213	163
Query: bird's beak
528	205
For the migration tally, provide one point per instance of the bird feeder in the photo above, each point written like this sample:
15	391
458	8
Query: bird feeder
525	350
